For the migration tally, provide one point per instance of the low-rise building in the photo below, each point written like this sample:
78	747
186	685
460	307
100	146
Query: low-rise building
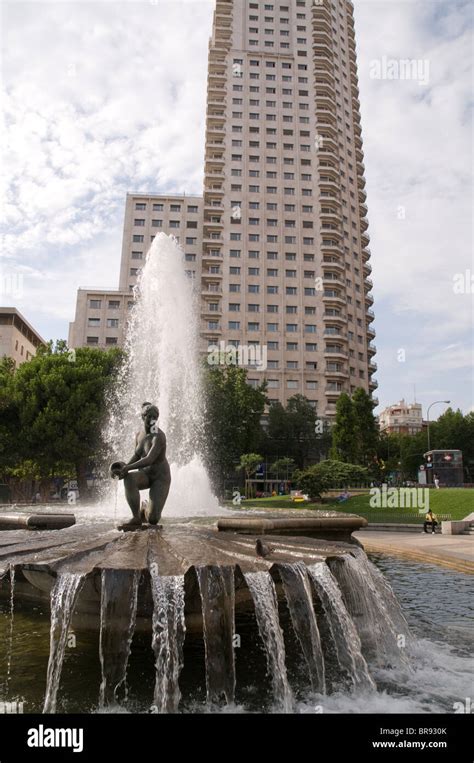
402	418
18	339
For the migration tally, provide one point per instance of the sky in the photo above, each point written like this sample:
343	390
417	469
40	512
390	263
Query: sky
104	98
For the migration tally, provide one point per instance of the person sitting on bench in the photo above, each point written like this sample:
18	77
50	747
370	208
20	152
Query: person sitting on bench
430	519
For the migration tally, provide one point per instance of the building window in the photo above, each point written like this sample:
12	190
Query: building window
95	304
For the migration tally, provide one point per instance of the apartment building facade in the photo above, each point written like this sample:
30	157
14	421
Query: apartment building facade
102	316
281	244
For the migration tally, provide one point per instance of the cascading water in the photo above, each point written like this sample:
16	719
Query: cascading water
262	589
162	366
168	638
63	598
118	611
372	605
216	585
10	629
343	631
300	603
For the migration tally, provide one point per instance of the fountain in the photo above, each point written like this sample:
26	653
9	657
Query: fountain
200	579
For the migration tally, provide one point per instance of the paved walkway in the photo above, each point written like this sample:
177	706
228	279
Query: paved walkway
454	551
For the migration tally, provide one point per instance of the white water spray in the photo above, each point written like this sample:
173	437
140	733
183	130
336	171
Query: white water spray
162	367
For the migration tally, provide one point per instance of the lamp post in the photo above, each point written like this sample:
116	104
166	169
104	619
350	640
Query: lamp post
428	416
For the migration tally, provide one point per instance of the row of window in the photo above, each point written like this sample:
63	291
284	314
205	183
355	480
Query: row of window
95	340
113	304
22	350
140	222
111	323
159	207
290	328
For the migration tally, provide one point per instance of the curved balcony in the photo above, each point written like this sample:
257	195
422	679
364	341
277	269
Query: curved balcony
335	265
341	319
322	38
324	75
217	160
365	238
334	354
336	375
325	116
329	392
367	267
213	132
212	258
326	230
321	12
330	217
369	298
319	23
327	130
322	63
211	289
329	184
337	299
364	224
206	310
371	333
209	276
325	101
328	144
333	247
371	349
373	384
206	330
328	333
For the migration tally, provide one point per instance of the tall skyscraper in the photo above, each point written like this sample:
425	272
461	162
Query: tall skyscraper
281	250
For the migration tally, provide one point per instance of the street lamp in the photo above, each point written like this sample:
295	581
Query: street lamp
428	416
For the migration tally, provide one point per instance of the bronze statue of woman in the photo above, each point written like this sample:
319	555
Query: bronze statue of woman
148	468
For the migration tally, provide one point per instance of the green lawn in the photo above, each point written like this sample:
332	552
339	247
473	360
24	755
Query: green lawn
455	502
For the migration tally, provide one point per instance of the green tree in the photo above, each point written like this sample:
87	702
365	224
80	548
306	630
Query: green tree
283	467
60	396
233	413
248	464
344	436
366	427
292	431
328	475
9	424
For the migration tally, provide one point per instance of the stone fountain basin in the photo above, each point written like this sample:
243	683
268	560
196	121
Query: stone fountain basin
177	549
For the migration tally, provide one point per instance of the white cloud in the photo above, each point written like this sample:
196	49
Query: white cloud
102	98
